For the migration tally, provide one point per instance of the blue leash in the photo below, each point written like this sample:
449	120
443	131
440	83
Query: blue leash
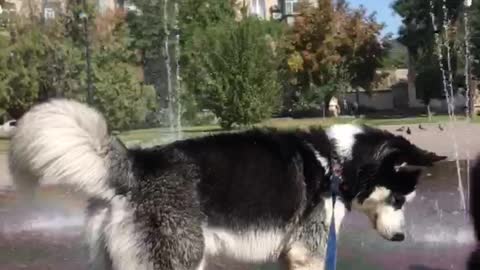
331	256
331	253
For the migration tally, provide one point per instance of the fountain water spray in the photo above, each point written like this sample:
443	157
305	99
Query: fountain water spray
448	87
178	86
446	45
173	101
469	95
168	67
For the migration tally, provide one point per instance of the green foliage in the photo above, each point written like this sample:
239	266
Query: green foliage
147	27
40	61
417	34
417	30
429	84
232	71
195	15
396	56
475	36
20	68
120	96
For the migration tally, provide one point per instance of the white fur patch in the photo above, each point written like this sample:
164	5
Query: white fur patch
249	246
64	142
344	136
410	196
389	221
386	219
93	232
201	266
323	161
339	213
379	194
300	258
123	240
328	211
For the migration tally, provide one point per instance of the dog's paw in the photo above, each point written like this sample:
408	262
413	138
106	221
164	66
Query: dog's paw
298	257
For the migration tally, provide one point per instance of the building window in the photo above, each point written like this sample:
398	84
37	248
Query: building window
49	13
257	7
291	6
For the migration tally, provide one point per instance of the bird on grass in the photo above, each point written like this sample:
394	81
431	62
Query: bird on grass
421	127
440	127
409	131
400	129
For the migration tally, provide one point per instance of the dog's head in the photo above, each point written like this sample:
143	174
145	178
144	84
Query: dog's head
380	173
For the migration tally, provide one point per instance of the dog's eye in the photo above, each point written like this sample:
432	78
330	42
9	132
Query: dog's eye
397	201
399	166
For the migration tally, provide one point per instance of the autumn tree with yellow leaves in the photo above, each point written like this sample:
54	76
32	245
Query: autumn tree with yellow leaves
332	47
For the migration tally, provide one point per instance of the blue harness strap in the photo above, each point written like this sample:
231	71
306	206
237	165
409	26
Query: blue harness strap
331	253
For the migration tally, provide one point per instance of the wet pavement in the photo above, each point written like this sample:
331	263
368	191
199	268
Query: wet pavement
48	235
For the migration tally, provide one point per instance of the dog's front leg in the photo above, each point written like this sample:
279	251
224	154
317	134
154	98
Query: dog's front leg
298	257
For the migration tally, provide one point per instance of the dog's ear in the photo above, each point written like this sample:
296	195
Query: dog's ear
420	157
408	154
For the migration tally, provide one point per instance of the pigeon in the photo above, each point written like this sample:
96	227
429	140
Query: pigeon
409	131
400	129
420	127
440	127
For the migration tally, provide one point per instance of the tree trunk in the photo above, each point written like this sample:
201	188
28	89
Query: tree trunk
429	112
412	74
356	106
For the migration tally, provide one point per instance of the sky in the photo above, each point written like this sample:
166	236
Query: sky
384	13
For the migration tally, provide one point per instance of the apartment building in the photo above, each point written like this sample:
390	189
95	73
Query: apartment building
273	9
49	9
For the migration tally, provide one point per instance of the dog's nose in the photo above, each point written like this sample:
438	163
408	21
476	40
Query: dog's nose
398	237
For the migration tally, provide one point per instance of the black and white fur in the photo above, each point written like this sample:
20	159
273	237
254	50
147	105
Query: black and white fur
256	196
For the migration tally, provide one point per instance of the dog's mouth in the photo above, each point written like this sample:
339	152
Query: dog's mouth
398	237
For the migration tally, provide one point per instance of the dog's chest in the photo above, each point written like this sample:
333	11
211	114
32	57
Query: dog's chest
248	246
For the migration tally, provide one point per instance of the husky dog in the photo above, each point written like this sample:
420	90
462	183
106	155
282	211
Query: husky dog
255	196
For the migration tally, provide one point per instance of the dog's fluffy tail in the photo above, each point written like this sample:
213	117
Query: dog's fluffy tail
61	142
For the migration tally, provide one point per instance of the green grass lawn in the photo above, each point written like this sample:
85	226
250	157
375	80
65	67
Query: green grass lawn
156	136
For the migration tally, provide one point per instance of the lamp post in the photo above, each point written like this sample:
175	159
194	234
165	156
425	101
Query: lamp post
84	17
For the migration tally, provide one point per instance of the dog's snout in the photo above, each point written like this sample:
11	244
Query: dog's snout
398	237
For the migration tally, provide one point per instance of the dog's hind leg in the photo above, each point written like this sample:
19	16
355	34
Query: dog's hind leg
201	265
99	257
169	216
308	250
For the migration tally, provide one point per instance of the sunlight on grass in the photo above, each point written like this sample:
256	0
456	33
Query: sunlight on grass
158	136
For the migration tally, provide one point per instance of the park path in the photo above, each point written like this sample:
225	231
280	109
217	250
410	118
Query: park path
57	220
430	138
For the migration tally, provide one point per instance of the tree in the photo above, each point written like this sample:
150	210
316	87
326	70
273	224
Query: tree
396	56
40	61
234	67
333	47
22	60
154	28
475	36
417	34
